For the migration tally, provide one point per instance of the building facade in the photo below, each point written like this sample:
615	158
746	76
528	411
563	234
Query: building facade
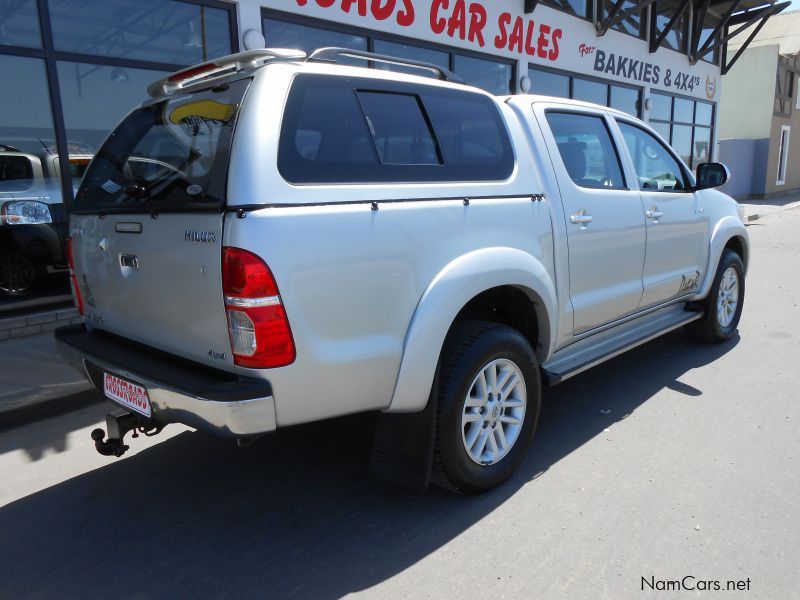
73	68
759	125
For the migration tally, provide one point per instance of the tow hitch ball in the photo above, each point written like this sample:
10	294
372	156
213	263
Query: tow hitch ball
118	424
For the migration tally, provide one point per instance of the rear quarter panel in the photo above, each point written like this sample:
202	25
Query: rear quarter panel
351	279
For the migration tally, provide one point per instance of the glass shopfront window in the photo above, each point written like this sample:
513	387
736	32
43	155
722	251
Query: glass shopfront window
625	99
686	124
621	97
170	32
286	34
579	8
95	98
663	12
67	85
30	247
709	24
25	113
494	76
549	84
590	91
632	23
436	57
19	24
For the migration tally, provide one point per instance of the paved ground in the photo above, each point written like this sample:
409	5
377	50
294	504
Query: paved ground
32	372
693	472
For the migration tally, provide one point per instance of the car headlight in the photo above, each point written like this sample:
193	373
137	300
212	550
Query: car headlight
26	212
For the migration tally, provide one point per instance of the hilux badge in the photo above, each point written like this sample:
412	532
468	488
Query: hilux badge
206	237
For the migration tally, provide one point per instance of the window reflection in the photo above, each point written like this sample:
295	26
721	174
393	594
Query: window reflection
19	23
30	191
96	97
590	91
574	7
682	142
153	30
494	77
631	23
436	57
672	117
676	38
283	34
549	84
625	99
710	23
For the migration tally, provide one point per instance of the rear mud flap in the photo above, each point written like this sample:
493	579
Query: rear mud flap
402	451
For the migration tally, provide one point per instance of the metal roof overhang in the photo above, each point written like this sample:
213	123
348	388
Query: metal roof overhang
732	17
728	18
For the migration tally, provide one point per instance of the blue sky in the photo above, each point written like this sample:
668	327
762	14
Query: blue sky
795	5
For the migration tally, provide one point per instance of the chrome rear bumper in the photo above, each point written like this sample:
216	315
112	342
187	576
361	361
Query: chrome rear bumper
179	393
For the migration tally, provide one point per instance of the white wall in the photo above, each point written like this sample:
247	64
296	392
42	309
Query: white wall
746	110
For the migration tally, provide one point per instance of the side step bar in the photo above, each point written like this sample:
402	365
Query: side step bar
604	346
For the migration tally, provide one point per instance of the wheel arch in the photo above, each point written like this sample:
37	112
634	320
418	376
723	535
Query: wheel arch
728	233
490	284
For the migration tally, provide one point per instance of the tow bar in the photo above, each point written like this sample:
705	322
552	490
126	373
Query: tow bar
118	424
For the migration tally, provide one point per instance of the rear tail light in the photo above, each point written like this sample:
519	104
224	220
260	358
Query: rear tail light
76	292
257	323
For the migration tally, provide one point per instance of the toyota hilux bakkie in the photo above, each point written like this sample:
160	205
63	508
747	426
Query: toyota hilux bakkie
274	239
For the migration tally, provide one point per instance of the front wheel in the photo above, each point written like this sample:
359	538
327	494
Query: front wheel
488	406
724	303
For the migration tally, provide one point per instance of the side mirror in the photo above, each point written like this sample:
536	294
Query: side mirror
711	175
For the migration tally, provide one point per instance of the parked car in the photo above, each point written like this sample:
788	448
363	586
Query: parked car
274	239
33	220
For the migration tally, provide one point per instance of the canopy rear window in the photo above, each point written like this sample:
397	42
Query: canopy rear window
170	155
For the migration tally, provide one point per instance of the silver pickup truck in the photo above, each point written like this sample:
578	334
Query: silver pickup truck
275	238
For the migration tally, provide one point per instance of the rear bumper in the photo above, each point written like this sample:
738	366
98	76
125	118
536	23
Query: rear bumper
179	391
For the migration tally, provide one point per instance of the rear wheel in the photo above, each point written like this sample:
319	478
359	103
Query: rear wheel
18	274
723	306
489	401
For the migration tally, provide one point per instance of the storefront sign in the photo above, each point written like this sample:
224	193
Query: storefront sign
546	37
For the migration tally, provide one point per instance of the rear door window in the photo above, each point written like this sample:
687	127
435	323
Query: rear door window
359	130
169	155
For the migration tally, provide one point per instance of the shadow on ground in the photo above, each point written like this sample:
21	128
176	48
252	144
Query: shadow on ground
295	514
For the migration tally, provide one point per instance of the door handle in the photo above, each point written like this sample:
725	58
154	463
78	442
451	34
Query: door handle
654	214
581	218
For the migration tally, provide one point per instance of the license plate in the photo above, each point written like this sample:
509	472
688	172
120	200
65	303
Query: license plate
126	393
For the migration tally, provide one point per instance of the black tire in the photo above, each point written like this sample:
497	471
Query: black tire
470	348
709	329
18	274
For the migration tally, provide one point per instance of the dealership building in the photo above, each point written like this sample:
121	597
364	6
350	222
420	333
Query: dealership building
73	68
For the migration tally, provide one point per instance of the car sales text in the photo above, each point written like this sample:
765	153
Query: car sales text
462	20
